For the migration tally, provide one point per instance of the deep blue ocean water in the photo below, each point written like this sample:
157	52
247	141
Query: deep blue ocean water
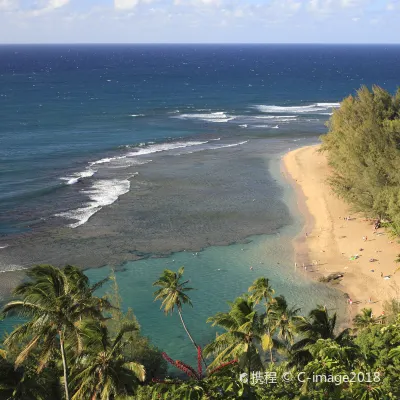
116	152
64	106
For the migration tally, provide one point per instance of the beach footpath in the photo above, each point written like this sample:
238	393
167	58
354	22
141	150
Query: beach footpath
335	241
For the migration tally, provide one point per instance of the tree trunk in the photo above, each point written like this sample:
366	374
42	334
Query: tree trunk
249	372
190	336
270	349
64	361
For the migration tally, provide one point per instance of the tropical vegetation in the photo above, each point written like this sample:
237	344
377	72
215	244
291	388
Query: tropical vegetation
75	345
363	149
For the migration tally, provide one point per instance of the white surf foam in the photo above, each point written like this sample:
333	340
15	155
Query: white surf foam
218	117
231	145
106	160
4	246
243	126
101	194
74	178
11	267
312	108
276	116
156	148
136	115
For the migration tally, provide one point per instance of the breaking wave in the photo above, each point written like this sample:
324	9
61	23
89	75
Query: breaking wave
101	194
218	117
310	109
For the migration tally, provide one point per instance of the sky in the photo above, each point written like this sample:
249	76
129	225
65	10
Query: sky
199	21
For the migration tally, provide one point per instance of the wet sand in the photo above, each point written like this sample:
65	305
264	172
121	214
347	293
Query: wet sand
328	240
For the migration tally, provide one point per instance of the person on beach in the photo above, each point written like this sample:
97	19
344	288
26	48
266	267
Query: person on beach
295	265
381	274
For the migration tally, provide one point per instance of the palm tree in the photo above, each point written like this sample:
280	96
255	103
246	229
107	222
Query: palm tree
261	289
283	318
366	319
244	336
102	371
318	325
172	294
55	300
278	317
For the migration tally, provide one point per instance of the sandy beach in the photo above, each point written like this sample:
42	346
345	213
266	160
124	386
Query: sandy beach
329	240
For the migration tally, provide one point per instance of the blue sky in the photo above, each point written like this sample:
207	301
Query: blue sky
199	21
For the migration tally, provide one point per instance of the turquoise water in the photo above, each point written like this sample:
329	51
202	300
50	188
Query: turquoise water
219	274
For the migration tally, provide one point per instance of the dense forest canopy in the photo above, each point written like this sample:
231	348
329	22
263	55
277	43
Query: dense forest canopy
363	147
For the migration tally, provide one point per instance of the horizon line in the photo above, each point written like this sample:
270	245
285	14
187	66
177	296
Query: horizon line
200	43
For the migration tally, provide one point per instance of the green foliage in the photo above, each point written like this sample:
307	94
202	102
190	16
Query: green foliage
363	147
105	357
138	347
244	337
366	319
391	309
378	344
102	370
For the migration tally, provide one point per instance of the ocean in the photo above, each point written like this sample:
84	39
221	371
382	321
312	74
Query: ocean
145	157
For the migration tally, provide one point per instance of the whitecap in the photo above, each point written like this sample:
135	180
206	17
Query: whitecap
217	117
276	116
4	246
312	108
101	194
156	148
74	178
329	105
11	267
231	145
106	160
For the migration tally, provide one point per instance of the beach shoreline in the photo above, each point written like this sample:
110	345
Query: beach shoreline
328	239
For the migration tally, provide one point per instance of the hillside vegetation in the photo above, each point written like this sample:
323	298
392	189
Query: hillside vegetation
363	148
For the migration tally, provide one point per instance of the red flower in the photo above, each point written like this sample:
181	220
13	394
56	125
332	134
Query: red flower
188	370
222	366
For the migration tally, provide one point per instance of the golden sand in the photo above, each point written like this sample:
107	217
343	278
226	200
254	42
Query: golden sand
328	240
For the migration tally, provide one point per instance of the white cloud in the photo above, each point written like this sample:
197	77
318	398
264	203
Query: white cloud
198	3
125	4
8	5
129	4
393	5
53	4
324	8
349	3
